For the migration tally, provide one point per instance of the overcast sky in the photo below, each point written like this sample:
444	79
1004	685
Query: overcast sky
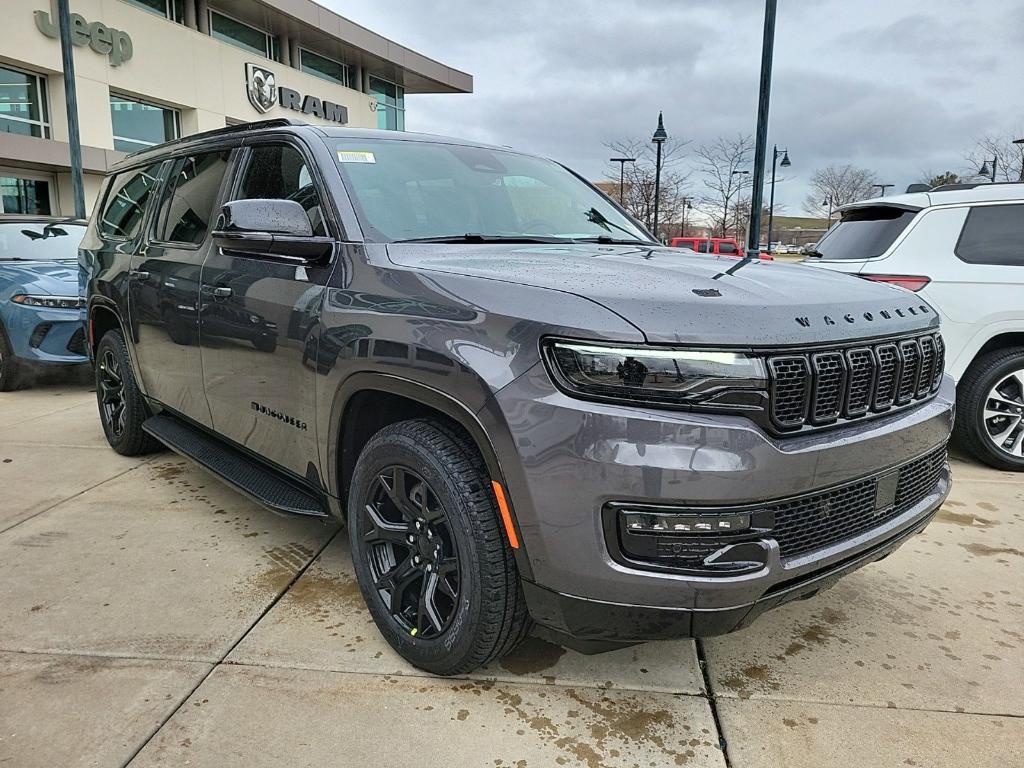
897	86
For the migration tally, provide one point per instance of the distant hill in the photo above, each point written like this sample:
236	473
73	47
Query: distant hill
801	222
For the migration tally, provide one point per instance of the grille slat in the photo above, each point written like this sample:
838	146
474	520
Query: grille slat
817	388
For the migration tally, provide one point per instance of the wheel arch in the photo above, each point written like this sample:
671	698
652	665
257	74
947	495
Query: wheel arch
368	401
1008	339
102	317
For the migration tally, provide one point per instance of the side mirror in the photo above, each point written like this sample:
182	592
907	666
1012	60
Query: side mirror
277	228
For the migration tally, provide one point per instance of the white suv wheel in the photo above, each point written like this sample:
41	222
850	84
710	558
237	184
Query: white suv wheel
1004	414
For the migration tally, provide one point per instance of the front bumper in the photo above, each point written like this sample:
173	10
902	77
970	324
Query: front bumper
574	458
42	336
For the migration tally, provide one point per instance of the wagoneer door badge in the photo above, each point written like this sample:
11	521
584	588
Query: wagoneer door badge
264	94
291	420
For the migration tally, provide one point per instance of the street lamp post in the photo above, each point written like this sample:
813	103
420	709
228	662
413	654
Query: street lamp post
882	188
71	95
686	206
984	170
660	137
761	143
829	201
736	218
622	176
771	205
1020	143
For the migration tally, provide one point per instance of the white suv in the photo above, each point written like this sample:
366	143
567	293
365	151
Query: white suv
960	247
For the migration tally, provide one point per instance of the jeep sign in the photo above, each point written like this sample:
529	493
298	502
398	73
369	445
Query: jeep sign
264	94
112	43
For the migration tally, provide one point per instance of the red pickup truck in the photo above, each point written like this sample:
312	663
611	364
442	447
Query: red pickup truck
719	246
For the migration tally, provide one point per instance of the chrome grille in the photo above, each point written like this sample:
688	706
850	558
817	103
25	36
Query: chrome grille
820	387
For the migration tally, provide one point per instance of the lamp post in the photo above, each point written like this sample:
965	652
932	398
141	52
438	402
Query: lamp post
1020	143
985	171
761	143
771	205
71	95
686	206
882	188
660	137
736	218
829	201
622	176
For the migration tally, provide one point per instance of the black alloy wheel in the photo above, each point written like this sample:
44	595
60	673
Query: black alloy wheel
110	385
412	555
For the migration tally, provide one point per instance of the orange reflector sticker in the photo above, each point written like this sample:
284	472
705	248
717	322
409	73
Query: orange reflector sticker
506	516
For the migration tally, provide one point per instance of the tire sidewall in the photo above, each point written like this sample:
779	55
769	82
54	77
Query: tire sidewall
458	640
134	409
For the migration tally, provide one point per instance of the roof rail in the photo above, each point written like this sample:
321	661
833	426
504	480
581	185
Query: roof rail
276	122
971	185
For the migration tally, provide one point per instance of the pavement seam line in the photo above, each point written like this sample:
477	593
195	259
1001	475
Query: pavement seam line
44	415
74	496
245	633
866	705
712	699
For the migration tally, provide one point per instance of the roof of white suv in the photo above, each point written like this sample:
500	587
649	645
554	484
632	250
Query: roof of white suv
982	193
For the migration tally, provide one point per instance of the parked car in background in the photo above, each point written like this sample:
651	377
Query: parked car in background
719	246
961	250
524	408
40	309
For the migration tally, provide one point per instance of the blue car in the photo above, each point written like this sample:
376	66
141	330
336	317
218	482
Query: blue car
40	309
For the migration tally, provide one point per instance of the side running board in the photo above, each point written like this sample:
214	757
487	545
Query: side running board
259	483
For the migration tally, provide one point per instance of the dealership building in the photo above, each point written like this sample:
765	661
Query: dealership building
148	71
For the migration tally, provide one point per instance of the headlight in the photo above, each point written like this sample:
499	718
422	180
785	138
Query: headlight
639	374
50	302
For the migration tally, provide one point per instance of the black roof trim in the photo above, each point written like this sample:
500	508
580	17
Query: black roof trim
228	130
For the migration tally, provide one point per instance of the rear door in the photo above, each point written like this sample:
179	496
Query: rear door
258	317
164	282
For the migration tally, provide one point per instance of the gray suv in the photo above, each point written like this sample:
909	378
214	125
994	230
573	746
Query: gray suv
525	409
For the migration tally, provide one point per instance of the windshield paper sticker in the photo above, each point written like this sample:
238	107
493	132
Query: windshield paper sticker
352	156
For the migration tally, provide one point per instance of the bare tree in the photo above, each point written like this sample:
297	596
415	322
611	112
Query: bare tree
844	184
638	181
721	164
1009	156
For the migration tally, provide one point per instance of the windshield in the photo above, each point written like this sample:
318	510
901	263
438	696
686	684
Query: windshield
863	233
37	241
410	190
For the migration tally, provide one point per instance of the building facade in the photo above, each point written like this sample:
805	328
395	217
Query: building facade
148	71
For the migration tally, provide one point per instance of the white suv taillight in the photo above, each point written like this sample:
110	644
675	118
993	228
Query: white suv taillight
909	282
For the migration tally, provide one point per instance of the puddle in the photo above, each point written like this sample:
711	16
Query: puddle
532	656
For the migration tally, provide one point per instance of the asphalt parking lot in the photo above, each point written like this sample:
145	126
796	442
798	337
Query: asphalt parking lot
151	616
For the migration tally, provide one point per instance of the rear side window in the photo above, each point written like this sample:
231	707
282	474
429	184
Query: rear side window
193	187
704	246
127	198
865	233
993	234
726	248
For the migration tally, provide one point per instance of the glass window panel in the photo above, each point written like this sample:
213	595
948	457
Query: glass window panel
137	125
153	6
239	34
993	234
24	195
186	212
126	202
320	66
278	172
23	103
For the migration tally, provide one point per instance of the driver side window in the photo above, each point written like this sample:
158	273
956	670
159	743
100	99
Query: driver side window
278	172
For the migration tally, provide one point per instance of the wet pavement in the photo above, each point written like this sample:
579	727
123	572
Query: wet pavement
151	616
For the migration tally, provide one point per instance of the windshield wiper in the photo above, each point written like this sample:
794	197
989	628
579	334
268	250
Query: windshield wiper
473	237
608	240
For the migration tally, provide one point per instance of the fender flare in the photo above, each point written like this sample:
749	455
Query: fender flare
433	398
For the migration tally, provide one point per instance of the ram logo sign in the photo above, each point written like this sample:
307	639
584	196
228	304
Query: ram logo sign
264	93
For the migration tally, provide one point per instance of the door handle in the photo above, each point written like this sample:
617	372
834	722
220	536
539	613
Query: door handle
136	274
222	292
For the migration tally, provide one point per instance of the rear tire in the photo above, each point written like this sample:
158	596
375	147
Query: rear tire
121	405
431	557
10	371
994	384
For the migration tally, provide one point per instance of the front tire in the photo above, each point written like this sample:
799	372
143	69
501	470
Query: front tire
431	558
122	407
990	409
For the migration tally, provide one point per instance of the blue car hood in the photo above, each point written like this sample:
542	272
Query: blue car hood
58	278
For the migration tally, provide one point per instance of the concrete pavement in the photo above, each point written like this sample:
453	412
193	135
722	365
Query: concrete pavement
151	616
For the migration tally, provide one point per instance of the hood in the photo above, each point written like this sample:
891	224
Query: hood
44	277
680	297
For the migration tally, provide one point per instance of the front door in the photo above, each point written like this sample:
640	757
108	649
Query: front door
164	284
258	313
